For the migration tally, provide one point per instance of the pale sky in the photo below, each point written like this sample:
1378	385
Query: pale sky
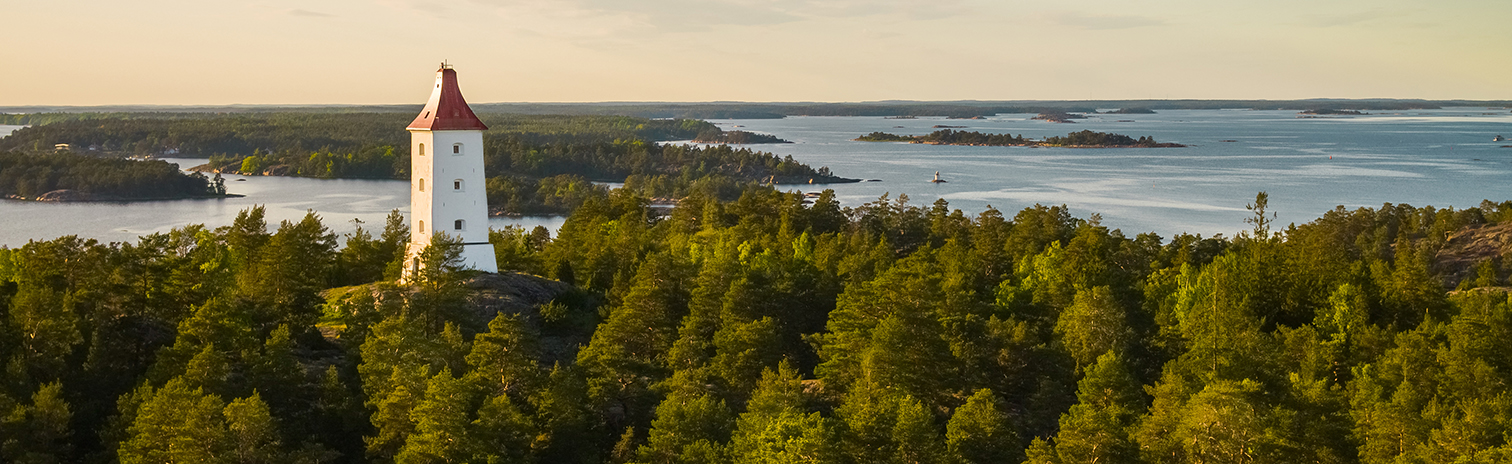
211	52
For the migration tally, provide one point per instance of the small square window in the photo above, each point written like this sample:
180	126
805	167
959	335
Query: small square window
457	224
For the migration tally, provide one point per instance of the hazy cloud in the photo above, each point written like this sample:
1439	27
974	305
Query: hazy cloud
662	16
309	14
1347	19
1092	21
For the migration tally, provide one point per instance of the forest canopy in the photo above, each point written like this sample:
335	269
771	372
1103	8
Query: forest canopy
1082	139
31	176
765	329
528	158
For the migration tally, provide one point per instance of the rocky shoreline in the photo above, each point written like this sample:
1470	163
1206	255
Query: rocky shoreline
75	196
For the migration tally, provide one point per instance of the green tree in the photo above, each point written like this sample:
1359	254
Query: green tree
688	429
979	433
251	433
915	436
38	433
626	352
503	359
1093	325
177	425
1095	429
441	421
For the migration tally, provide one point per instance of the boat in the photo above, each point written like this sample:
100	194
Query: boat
937	178
1497	139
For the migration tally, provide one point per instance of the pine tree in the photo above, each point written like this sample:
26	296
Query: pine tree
978	433
1093	325
625	355
566	421
869	414
914	435
501	434
688	429
503	359
252	435
441	422
177	425
37	433
46	329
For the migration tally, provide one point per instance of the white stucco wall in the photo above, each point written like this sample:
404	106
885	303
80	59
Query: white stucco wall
441	204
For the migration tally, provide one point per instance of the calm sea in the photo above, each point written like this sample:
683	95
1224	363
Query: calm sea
1308	166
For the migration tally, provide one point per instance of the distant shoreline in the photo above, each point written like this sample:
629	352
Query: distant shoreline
70	196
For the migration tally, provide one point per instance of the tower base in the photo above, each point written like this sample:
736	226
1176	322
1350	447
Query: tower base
476	255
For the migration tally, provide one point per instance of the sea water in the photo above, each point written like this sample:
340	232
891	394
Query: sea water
1307	166
342	204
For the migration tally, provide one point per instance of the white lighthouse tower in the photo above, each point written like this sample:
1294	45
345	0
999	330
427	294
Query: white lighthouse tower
446	176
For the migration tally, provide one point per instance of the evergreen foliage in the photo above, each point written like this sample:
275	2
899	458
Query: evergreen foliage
765	330
31	175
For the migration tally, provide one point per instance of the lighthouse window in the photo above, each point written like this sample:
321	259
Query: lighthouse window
422	149
457	185
457	149
422	185
422	227
457	224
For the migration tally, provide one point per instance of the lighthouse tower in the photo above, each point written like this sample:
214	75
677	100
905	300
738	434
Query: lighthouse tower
446	176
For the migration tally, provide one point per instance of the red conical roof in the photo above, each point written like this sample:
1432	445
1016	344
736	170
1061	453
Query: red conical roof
446	109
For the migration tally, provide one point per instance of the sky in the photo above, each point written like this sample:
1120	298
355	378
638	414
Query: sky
198	52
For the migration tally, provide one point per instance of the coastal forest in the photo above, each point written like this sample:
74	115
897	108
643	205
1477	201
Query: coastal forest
541	164
31	176
1082	139
768	329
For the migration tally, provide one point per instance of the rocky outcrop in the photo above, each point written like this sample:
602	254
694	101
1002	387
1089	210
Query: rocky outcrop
515	293
1469	246
63	195
488	295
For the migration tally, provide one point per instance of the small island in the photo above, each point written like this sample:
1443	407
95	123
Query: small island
736	137
69	177
1058	117
1130	111
1083	139
1332	112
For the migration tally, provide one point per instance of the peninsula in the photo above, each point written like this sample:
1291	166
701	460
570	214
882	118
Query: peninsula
69	177
736	137
1083	139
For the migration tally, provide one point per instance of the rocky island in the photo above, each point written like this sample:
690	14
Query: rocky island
1332	112
1058	117
1130	111
1083	139
737	137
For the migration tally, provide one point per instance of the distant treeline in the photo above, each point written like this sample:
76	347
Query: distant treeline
1083	139
737	137
203	134
543	164
733	110
31	175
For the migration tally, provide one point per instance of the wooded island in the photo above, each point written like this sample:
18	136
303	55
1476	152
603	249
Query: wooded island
1083	139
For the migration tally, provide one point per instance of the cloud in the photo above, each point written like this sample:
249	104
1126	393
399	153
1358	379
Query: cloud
1346	19
1090	21
309	14
618	17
